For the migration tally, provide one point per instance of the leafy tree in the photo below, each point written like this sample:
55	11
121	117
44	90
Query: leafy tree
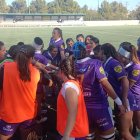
3	7
38	6
18	6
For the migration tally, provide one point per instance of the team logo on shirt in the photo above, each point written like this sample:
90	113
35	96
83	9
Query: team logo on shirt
135	72
118	69
62	46
101	70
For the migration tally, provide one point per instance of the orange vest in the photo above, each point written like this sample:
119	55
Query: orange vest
18	98
80	128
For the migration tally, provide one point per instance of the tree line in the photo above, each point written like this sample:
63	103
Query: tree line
106	11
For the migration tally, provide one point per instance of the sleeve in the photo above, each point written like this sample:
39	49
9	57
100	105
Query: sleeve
134	75
99	72
1	77
62	47
45	61
70	85
118	71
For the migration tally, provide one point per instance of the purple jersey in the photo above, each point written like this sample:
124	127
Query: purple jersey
114	72
133	71
40	58
68	51
52	60
138	53
95	96
59	44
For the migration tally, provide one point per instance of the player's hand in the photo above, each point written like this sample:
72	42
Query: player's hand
125	103
50	83
122	109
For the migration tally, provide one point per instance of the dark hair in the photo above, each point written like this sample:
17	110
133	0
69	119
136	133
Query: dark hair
95	40
23	58
68	40
97	49
1	45
59	31
20	43
90	36
68	67
109	51
79	35
51	47
38	41
132	49
13	51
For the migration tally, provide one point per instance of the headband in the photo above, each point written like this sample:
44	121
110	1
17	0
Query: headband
124	52
36	46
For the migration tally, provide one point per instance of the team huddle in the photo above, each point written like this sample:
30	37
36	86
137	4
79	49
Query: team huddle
87	74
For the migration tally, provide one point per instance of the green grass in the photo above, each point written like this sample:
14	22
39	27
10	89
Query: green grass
113	34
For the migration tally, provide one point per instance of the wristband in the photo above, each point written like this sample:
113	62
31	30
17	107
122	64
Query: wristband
48	65
57	68
118	101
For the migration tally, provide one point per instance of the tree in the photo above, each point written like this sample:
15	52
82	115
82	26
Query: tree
38	6
113	11
119	11
18	6
105	10
3	7
63	6
138	12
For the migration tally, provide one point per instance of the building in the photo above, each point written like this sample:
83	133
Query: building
39	17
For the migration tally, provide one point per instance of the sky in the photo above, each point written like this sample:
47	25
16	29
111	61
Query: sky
131	4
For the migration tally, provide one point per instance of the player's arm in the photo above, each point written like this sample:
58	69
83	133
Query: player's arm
109	89
71	99
62	53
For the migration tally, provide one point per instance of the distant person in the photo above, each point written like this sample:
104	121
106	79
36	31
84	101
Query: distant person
3	54
57	40
68	50
138	44
93	42
80	38
87	39
38	45
51	55
2	51
20	79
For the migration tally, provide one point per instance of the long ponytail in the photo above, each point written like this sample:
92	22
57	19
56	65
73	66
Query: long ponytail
23	60
68	67
134	55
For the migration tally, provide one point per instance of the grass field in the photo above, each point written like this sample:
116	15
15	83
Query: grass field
113	34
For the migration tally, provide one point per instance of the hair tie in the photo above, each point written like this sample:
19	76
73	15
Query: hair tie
23	50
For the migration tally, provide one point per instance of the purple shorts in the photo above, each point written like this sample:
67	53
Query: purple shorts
8	129
134	102
100	119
